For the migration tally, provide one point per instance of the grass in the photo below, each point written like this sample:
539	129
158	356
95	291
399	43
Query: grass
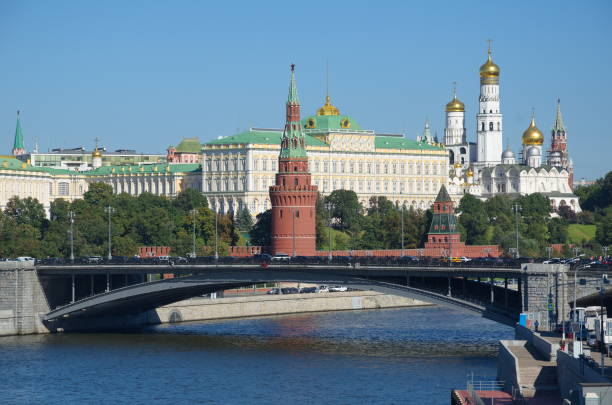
578	233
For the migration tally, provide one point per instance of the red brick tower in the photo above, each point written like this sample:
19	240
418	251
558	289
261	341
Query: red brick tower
443	232
293	197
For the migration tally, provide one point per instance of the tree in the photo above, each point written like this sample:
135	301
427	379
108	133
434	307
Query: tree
473	218
27	211
189	199
244	220
261	232
98	194
347	210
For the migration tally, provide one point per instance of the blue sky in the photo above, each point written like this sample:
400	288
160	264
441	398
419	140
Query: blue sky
144	74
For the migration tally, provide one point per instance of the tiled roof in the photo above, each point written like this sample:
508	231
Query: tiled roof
189	145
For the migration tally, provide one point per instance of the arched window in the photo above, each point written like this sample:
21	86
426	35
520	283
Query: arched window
295	182
462	150
490	126
498	126
482	127
297	213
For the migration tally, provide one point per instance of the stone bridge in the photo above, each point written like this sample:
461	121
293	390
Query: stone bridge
67	296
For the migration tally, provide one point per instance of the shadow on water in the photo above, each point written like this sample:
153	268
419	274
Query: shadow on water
414	332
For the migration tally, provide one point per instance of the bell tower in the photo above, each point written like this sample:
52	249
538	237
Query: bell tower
293	196
489	117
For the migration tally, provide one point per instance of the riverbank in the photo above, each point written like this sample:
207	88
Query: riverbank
201	309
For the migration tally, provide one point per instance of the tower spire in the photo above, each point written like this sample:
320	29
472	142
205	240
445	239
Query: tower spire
18	148
559	127
293	94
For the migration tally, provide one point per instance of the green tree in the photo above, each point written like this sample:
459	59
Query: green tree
261	232
244	220
473	218
347	210
26	211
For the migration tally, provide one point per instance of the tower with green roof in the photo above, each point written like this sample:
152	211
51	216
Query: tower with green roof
443	230
293	197
18	148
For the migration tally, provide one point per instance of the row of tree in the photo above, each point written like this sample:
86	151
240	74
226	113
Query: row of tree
342	223
145	220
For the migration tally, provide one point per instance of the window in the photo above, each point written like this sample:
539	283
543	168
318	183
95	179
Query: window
297	213
482	126
295	182
490	126
63	188
498	126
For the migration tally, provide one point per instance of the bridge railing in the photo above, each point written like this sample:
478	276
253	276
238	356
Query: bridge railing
391	261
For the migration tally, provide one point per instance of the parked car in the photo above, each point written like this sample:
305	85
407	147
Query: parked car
281	257
94	259
323	289
25	259
306	290
554	260
273	291
338	288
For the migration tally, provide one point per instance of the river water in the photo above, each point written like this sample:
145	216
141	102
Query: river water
393	356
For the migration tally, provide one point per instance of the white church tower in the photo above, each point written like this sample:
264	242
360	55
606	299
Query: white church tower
489	118
459	149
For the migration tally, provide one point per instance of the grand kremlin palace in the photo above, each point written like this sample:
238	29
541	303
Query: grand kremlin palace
239	169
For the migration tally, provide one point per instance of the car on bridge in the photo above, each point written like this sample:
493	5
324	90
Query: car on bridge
281	257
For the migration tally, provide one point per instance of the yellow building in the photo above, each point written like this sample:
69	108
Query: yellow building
238	170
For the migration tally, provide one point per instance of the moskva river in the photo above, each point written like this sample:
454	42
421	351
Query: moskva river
393	356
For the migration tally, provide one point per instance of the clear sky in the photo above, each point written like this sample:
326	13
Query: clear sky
144	74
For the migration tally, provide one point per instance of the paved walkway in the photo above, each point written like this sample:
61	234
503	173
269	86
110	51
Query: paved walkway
538	376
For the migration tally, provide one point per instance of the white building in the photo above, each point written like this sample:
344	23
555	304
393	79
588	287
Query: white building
239	169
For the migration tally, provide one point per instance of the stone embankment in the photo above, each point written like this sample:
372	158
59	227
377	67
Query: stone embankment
198	309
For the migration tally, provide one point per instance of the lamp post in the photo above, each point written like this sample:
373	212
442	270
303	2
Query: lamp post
216	235
193	251
403	208
604	249
109	210
549	251
329	207
71	218
517	208
293	213
576	251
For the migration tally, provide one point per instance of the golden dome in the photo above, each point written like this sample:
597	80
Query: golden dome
455	105
96	153
532	136
470	173
457	165
328	108
489	70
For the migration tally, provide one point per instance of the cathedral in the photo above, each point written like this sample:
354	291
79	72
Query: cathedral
484	170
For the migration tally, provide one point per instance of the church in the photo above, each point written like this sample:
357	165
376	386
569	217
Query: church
484	170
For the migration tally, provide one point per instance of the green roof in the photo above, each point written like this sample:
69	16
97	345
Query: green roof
398	142
261	137
135	169
330	122
11	163
189	145
443	223
18	143
443	195
271	137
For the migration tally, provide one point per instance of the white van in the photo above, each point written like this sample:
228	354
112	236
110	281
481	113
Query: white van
323	289
25	259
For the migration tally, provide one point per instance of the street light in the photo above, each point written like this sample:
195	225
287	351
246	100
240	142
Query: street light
549	251
330	207
403	208
517	208
109	210
576	251
216	235
604	249
71	217
193	251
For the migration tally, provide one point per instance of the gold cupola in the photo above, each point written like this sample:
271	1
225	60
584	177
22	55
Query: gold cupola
455	105
532	136
96	152
489	72
328	108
